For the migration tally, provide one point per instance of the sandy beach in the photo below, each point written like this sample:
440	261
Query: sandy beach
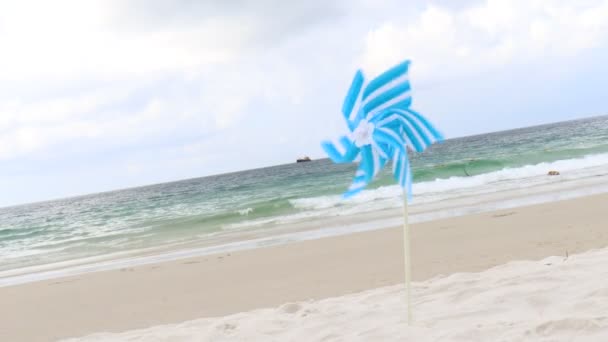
187	171
219	285
554	299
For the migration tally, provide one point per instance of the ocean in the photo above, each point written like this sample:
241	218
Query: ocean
299	201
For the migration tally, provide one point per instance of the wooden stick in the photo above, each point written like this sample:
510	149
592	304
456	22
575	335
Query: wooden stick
407	259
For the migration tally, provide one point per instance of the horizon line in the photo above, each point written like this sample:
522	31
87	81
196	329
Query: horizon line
270	166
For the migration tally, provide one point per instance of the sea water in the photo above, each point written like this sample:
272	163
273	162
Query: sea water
303	200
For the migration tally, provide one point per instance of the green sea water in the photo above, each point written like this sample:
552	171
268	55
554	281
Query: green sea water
203	208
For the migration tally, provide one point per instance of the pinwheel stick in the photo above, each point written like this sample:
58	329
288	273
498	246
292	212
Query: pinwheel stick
407	256
382	127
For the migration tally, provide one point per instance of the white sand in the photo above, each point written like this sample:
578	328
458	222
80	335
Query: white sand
556	299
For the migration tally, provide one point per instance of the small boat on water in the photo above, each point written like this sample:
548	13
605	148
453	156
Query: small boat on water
302	160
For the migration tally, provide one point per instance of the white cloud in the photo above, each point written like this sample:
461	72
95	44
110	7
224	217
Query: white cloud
209	64
26	127
109	39
71	40
103	117
220	82
447	42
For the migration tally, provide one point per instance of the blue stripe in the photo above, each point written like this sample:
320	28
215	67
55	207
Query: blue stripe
366	167
359	179
351	193
436	134
407	131
402	174
392	138
352	95
397	169
383	114
416	145
355	122
394	142
421	132
379	116
350	154
419	147
367	161
400	170
331	151
351	150
386	149
380	166
386	96
385	78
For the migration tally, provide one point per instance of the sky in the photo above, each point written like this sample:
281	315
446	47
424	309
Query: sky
102	95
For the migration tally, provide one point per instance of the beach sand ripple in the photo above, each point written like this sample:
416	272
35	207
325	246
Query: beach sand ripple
554	299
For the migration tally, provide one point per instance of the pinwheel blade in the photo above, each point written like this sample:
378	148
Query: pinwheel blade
380	109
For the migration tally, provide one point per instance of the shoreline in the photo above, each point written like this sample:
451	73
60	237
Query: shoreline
313	229
221	284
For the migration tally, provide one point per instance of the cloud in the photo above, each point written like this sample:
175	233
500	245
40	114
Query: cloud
215	86
446	42
149	68
272	21
102	118
68	40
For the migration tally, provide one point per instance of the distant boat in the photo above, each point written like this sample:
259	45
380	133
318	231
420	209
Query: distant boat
302	160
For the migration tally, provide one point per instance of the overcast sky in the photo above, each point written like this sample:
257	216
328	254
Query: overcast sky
101	95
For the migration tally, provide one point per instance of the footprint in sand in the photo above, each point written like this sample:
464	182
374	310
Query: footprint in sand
63	281
290	308
505	214
227	327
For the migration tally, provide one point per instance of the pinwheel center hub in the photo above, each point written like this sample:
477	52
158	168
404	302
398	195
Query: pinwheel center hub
362	135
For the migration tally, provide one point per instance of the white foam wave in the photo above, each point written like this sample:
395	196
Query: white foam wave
424	192
508	174
522	182
245	212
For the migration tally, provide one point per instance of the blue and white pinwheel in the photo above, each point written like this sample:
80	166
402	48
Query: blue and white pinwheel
382	128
